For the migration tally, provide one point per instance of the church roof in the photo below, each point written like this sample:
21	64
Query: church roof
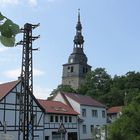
56	107
83	99
5	88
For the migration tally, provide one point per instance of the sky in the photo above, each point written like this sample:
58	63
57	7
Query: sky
111	30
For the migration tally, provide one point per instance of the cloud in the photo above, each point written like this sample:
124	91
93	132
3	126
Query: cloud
37	72
9	2
51	0
41	92
13	74
32	2
3	49
16	2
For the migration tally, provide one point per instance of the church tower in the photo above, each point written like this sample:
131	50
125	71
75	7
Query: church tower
74	71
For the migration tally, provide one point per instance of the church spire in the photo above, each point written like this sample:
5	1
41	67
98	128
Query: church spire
78	39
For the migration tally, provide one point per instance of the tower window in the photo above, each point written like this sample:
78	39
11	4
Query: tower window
71	70
83	69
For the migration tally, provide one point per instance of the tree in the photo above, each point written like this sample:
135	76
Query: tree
62	88
115	91
97	83
8	31
127	126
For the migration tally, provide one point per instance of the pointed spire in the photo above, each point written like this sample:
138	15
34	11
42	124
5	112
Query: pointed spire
78	39
78	15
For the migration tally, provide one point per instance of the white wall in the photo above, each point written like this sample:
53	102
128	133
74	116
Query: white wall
54	126
90	120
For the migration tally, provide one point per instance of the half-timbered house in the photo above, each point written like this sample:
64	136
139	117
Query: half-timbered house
9	112
53	120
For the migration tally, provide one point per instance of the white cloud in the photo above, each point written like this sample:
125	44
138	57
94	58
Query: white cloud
37	72
41	92
51	0
2	49
9	2
32	2
13	74
16	2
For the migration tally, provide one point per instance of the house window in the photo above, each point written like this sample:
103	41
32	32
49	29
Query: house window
91	128
94	113
84	129
61	118
66	119
84	112
70	119
51	118
35	118
103	113
56	118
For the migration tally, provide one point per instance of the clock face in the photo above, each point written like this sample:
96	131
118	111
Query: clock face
71	60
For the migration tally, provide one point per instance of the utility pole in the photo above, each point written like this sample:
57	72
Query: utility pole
26	113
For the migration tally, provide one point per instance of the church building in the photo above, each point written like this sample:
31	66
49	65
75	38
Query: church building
74	71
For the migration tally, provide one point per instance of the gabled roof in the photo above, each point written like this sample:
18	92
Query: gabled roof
7	87
83	99
56	107
115	109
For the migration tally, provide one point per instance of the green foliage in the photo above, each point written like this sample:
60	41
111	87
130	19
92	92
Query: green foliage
8	31
63	88
115	91
97	84
127	126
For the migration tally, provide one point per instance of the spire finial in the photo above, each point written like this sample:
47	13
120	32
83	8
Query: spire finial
79	15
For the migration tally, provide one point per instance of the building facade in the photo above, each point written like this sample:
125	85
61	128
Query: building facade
113	113
74	71
48	117
59	116
92	114
9	113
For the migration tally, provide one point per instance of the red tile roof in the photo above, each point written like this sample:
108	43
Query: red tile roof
6	88
115	109
56	107
83	99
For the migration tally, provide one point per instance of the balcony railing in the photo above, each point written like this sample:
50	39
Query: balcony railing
57	125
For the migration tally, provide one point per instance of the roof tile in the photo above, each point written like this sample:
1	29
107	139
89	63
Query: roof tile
84	100
115	109
56	107
6	87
